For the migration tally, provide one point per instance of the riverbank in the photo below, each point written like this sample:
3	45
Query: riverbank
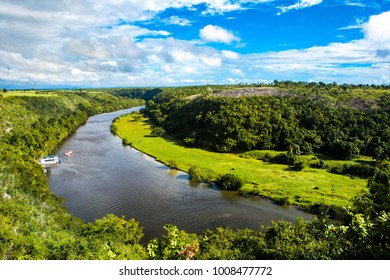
34	224
308	188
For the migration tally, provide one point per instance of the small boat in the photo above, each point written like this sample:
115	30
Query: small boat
69	153
49	160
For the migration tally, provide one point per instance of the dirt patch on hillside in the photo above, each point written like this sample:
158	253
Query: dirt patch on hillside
252	91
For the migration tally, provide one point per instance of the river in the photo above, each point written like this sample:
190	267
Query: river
103	176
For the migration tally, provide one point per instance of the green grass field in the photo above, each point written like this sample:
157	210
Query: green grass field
26	93
275	181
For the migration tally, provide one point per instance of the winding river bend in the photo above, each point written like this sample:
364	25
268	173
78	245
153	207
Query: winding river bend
103	176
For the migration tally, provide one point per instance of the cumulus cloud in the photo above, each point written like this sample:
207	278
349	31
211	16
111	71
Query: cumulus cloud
377	30
87	48
216	34
230	55
341	62
167	69
83	43
212	61
360	61
300	5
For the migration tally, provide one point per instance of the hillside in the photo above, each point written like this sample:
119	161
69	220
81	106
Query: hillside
344	122
33	222
35	225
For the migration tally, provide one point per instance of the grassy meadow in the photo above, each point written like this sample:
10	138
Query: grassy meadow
275	181
33	93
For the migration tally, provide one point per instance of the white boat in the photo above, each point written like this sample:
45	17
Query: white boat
49	160
69	153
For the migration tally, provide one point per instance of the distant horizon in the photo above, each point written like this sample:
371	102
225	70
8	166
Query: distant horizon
175	86
166	43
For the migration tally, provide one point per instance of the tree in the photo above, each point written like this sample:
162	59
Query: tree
174	245
113	228
370	217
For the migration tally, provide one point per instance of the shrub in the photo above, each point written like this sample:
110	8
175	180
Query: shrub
284	158
282	200
306	148
157	131
189	141
363	170
336	169
198	174
114	228
172	164
267	157
230	182
126	142
299	165
318	164
256	154
114	129
345	150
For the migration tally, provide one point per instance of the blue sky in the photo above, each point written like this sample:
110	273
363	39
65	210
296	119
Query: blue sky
71	43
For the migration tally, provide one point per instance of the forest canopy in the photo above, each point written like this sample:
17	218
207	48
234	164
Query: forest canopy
339	120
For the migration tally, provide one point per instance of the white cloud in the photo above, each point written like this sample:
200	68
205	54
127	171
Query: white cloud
230	55
189	69
356	4
167	69
357	25
212	61
188	81
361	61
237	72
213	33
231	80
221	6
224	6
178	21
87	48
70	42
300	5
377	30
80	43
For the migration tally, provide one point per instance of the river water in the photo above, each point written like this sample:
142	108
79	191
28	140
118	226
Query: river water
103	176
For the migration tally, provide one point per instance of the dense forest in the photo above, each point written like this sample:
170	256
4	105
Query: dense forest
342	121
34	224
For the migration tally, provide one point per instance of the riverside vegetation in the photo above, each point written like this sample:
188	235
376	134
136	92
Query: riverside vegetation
308	121
245	171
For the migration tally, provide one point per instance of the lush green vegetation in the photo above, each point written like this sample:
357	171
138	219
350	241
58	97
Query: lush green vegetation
348	122
337	120
138	93
364	234
35	225
33	222
20	93
310	188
